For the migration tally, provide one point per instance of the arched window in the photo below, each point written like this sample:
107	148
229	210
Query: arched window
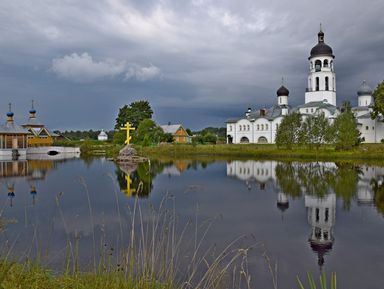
326	83
318	65
266	127
332	65
248	127
262	139
240	127
244	140
325	64
262	127
317	84
258	127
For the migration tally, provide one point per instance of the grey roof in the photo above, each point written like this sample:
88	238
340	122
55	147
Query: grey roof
366	115
270	114
364	89
33	121
12	128
319	105
172	129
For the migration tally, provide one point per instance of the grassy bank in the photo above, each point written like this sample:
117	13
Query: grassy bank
28	275
365	152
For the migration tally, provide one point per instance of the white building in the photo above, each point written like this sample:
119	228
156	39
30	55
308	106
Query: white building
102	136
260	126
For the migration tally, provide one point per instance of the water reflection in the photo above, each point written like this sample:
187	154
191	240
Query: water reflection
137	179
321	184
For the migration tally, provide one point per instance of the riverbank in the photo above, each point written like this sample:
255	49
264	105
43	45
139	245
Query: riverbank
365	152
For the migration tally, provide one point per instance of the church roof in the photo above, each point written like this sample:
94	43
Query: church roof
365	116
269	113
282	91
11	127
321	49
319	105
364	89
102	133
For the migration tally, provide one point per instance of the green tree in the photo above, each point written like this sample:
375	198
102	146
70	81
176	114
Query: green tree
345	126
287	134
134	113
148	133
378	96
315	130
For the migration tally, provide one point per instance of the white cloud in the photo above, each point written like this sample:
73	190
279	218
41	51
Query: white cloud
83	68
143	73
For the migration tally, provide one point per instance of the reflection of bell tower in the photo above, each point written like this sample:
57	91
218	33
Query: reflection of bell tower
321	216
282	202
11	194
33	194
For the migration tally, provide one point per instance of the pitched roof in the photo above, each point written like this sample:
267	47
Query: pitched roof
11	127
269	113
172	129
319	105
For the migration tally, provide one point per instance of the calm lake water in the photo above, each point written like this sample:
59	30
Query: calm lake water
306	217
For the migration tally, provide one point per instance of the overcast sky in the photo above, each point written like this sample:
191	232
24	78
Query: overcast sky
197	62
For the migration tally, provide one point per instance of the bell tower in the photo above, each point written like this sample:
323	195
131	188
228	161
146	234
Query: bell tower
321	76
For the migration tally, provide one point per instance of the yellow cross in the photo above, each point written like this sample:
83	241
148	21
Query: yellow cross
128	128
129	191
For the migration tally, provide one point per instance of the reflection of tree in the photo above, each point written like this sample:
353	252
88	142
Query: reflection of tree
318	179
378	190
344	183
287	179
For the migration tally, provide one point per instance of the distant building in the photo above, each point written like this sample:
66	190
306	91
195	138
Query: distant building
260	126
178	133
102	136
13	139
39	134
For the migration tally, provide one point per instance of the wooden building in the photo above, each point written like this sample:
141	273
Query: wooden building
179	134
13	139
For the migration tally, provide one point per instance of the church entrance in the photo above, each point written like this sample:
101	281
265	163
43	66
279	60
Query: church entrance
230	139
262	139
244	139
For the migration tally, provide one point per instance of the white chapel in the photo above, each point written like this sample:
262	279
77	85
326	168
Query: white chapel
260	125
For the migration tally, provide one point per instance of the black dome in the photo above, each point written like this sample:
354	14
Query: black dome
321	49
282	91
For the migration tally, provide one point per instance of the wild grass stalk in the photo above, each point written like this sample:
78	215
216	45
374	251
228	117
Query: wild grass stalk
322	280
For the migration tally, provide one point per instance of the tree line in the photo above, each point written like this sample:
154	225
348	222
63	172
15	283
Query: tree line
312	131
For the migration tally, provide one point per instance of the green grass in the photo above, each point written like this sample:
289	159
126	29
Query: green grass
366	152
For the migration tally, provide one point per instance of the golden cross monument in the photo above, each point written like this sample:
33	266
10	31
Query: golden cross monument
128	128
129	191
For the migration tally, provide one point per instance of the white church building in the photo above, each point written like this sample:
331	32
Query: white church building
260	126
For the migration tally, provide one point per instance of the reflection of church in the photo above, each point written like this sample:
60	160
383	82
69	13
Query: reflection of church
321	209
321	212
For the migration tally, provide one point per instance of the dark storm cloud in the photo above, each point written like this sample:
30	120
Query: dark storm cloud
197	62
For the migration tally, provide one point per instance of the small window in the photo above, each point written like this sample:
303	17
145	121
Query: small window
306	110
326	214
258	127
325	63
373	128
248	127
326	83
317	84
262	127
367	128
266	127
230	128
240	127
317	214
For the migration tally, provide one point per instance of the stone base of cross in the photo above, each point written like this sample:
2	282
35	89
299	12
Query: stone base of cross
128	128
